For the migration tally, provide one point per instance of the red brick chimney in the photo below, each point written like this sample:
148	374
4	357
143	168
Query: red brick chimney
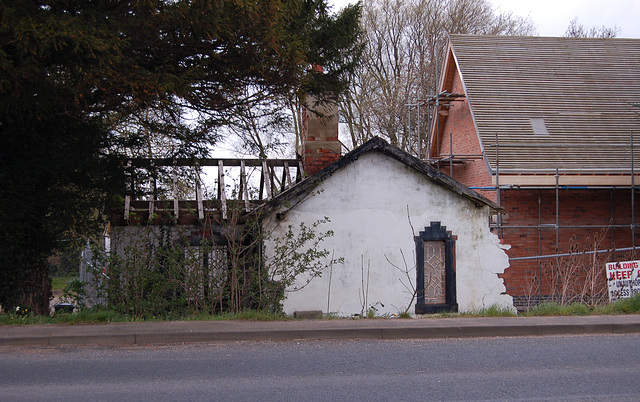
320	146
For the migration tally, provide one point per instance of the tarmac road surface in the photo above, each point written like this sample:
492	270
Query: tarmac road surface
566	367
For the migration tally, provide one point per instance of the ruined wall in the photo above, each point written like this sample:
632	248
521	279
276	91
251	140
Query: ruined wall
376	206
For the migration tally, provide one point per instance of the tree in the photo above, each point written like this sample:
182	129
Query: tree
275	125
405	42
83	82
577	30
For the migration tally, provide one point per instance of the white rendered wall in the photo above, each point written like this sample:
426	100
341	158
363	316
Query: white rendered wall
370	204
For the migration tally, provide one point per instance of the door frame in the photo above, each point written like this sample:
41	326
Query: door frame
436	232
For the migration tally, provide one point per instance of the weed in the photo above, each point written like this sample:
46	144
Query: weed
496	311
549	309
621	306
491	311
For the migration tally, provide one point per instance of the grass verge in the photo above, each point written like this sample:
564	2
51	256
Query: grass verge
59	283
96	316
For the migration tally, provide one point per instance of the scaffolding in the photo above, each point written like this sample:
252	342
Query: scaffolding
439	104
499	189
442	102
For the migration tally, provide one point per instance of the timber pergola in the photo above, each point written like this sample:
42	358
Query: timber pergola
276	175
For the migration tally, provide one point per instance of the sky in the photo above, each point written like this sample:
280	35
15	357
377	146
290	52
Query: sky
552	17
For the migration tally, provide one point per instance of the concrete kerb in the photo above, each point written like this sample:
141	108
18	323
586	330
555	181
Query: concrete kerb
625	328
168	333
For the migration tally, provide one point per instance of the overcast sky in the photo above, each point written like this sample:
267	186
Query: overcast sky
552	17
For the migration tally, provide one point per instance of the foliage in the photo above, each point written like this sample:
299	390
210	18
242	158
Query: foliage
83	82
159	275
65	259
164	273
74	292
272	127
298	252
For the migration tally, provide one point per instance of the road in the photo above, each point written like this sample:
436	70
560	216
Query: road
524	368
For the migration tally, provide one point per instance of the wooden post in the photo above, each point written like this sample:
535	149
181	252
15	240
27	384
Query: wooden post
287	174
244	187
267	179
176	201
221	193
127	192
199	202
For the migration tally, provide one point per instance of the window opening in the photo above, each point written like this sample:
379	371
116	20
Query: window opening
435	270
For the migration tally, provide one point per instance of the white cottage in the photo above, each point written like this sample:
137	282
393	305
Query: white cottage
412	238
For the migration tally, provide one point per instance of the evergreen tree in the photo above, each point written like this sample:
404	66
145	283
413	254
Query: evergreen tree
74	72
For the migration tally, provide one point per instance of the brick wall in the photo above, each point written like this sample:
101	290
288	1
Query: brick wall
530	281
320	146
598	207
458	130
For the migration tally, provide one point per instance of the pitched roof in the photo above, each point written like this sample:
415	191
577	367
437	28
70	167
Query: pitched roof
567	103
378	145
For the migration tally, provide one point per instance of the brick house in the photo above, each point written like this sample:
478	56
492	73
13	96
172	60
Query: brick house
544	127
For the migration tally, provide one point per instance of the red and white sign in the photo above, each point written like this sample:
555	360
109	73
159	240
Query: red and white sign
623	278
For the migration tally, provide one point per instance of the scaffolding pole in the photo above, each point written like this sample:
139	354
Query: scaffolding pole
498	195
633	201
556	226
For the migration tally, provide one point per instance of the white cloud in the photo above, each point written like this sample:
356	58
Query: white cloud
552	17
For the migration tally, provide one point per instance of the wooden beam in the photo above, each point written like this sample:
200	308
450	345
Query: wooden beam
244	190
127	206
261	191
273	180
287	176
227	162
221	193
176	201
565	180
199	203
267	179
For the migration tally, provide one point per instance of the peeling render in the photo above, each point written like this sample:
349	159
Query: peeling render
376	206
